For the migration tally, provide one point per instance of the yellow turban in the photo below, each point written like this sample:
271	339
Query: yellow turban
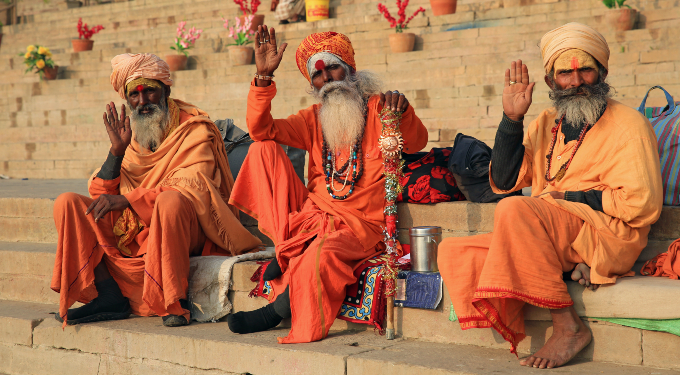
130	66
573	36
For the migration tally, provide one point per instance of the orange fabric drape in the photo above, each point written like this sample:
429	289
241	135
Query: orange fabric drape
665	264
491	276
317	251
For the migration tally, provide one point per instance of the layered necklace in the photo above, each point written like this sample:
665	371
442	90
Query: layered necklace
349	173
563	169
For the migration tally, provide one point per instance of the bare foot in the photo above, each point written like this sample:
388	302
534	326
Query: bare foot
569	337
582	274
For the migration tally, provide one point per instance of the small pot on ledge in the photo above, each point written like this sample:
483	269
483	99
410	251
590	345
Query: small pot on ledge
402	42
240	55
176	62
621	19
50	74
80	45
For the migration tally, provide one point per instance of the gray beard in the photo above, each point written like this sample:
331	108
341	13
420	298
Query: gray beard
148	128
343	108
581	105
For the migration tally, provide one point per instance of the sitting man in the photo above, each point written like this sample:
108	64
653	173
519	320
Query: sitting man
160	197
593	167
326	230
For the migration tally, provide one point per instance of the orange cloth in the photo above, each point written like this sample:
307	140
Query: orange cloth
327	41
188	176
319	240
665	264
570	36
491	276
619	157
130	66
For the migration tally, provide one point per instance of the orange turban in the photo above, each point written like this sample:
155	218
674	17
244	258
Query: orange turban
573	36
130	66
327	41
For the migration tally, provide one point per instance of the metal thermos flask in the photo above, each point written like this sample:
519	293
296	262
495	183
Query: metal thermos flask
424	242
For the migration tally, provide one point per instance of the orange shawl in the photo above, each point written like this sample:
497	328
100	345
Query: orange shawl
192	160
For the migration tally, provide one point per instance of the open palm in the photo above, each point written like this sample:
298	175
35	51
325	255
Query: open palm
517	91
267	55
118	129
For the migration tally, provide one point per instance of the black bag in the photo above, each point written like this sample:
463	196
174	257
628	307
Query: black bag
469	163
237	142
427	179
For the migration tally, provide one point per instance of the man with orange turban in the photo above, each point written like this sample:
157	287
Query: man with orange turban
593	168
327	229
160	197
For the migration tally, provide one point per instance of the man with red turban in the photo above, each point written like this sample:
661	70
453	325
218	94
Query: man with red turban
593	168
160	197
325	230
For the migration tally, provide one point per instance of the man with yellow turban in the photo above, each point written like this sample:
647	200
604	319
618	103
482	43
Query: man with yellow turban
327	229
160	197
593	168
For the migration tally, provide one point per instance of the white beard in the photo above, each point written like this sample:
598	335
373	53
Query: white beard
342	113
148	129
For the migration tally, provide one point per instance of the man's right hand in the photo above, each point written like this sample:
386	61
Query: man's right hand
267	56
118	129
517	91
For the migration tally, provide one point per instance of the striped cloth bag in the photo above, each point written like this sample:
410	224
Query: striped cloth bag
666	123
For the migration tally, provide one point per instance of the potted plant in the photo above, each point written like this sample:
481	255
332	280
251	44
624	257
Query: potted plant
620	16
84	41
40	59
400	41
239	51
257	20
183	42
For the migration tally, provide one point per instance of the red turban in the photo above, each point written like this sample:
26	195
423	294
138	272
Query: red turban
130	66
327	41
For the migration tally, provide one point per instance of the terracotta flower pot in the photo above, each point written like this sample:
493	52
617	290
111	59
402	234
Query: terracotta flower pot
257	21
441	7
176	62
80	45
622	19
240	55
402	42
50	74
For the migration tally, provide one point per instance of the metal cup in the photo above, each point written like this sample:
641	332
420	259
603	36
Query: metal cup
424	242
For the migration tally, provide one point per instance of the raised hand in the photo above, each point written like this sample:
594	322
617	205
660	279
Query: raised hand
517	91
267	56
394	101
118	129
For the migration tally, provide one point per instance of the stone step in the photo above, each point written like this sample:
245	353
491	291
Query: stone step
32	342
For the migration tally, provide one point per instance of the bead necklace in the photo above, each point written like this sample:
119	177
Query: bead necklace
563	169
351	170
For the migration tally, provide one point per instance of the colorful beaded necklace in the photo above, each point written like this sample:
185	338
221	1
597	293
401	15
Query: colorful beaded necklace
563	169
351	170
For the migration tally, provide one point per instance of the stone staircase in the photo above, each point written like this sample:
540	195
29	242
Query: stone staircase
454	78
32	342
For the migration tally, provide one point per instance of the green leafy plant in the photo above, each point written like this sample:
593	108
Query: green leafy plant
37	57
613	4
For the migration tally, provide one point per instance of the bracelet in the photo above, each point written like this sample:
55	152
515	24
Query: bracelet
264	78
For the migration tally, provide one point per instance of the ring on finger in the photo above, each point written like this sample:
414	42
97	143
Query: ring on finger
401	94
395	92
512	82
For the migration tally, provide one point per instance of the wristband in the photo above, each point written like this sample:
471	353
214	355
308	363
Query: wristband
264	78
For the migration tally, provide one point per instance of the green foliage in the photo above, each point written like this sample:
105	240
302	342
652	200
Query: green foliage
613	4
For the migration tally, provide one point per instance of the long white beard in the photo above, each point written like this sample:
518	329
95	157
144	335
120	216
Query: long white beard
342	112
148	128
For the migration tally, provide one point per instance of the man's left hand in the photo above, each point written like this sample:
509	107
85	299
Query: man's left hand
394	101
106	203
554	194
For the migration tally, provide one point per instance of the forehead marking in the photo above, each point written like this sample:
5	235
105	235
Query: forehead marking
140	88
574	63
319	65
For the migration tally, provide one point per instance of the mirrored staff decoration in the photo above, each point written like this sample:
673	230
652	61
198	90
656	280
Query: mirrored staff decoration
391	143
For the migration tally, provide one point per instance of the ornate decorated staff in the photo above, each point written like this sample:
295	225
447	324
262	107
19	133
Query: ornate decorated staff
391	143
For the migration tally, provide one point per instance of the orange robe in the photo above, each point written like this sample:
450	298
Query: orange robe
178	207
490	277
319	240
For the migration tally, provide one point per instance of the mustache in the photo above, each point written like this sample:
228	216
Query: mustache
598	90
333	87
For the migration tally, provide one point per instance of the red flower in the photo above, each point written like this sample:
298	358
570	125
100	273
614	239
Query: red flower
429	158
439	172
446	152
420	191
436	196
450	179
